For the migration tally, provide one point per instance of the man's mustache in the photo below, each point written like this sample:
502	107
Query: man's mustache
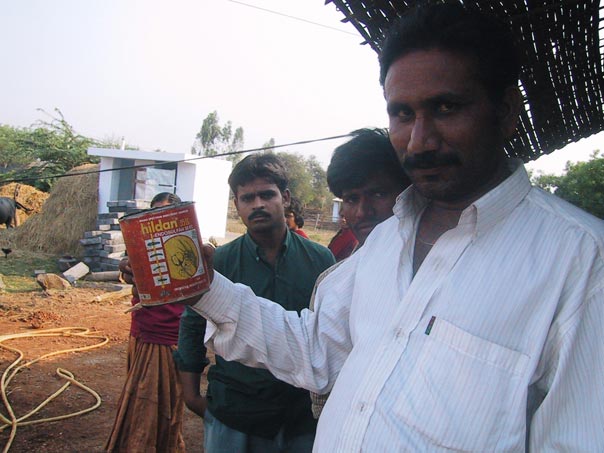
255	214
430	159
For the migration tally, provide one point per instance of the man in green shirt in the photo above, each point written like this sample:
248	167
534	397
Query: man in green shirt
247	409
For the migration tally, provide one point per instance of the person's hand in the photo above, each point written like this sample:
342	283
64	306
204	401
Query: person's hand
127	276
208	255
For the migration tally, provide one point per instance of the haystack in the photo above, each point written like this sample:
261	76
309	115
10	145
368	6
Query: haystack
28	196
69	211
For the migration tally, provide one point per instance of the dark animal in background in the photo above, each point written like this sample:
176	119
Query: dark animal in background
8	211
6	252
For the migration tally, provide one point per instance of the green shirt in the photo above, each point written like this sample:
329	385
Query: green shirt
247	399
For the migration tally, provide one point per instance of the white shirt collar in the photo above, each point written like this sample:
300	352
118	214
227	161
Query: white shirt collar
485	212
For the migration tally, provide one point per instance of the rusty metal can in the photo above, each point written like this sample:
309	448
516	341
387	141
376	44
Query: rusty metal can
164	248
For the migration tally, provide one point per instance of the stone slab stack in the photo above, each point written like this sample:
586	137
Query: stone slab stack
104	247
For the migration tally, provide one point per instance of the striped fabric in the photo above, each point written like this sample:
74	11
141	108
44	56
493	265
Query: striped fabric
496	344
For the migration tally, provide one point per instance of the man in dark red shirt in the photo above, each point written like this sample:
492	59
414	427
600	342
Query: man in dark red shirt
365	173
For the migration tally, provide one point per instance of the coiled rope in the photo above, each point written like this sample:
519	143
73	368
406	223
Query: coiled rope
11	420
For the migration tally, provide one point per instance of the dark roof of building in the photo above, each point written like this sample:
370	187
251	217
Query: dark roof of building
563	82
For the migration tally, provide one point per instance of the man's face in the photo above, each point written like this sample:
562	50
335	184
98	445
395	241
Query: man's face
366	206
260	204
447	132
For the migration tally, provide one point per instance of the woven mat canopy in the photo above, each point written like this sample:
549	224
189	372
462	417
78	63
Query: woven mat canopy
562	78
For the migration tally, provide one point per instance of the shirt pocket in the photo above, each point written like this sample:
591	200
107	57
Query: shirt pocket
464	394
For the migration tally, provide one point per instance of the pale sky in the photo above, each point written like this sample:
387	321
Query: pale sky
151	70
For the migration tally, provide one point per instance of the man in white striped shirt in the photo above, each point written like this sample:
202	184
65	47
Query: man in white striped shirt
472	319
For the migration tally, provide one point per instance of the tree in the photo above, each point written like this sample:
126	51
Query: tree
318	175
48	148
213	139
299	178
307	179
269	145
12	153
581	184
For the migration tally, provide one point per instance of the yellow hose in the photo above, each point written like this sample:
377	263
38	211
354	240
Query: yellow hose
11	420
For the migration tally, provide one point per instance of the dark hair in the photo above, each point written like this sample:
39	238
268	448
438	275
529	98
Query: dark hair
453	27
255	166
368	153
165	196
295	208
299	221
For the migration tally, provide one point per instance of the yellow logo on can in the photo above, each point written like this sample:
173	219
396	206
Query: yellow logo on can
182	257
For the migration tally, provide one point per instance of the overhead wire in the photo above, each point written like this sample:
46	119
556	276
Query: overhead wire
164	162
300	19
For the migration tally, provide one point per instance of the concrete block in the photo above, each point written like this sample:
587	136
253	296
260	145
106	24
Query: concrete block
107	221
92	234
118	241
91	259
113	262
112	235
114	248
112	255
76	272
110	215
91	241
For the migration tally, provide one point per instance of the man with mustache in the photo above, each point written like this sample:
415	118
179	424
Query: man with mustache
249	410
364	172
472	319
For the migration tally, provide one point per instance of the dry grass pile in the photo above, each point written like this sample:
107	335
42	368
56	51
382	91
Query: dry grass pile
69	211
28	196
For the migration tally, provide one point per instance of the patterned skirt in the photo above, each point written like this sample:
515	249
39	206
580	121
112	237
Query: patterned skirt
150	409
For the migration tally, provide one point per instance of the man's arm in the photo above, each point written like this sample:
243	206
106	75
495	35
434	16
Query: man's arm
190	387
569	417
190	359
306	350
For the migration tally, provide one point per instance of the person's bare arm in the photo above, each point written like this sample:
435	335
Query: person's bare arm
194	400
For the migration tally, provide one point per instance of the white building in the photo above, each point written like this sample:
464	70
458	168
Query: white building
335	210
203	181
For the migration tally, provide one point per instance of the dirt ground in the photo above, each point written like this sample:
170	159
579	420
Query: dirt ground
102	369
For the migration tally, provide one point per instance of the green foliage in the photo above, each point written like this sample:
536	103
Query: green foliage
48	148
582	184
307	179
213	139
269	145
321	193
114	142
12	153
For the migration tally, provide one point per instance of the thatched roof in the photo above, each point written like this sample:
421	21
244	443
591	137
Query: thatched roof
563	81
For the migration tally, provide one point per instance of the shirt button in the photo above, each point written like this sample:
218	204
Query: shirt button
399	333
361	407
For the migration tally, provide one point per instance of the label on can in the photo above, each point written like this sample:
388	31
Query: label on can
164	249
